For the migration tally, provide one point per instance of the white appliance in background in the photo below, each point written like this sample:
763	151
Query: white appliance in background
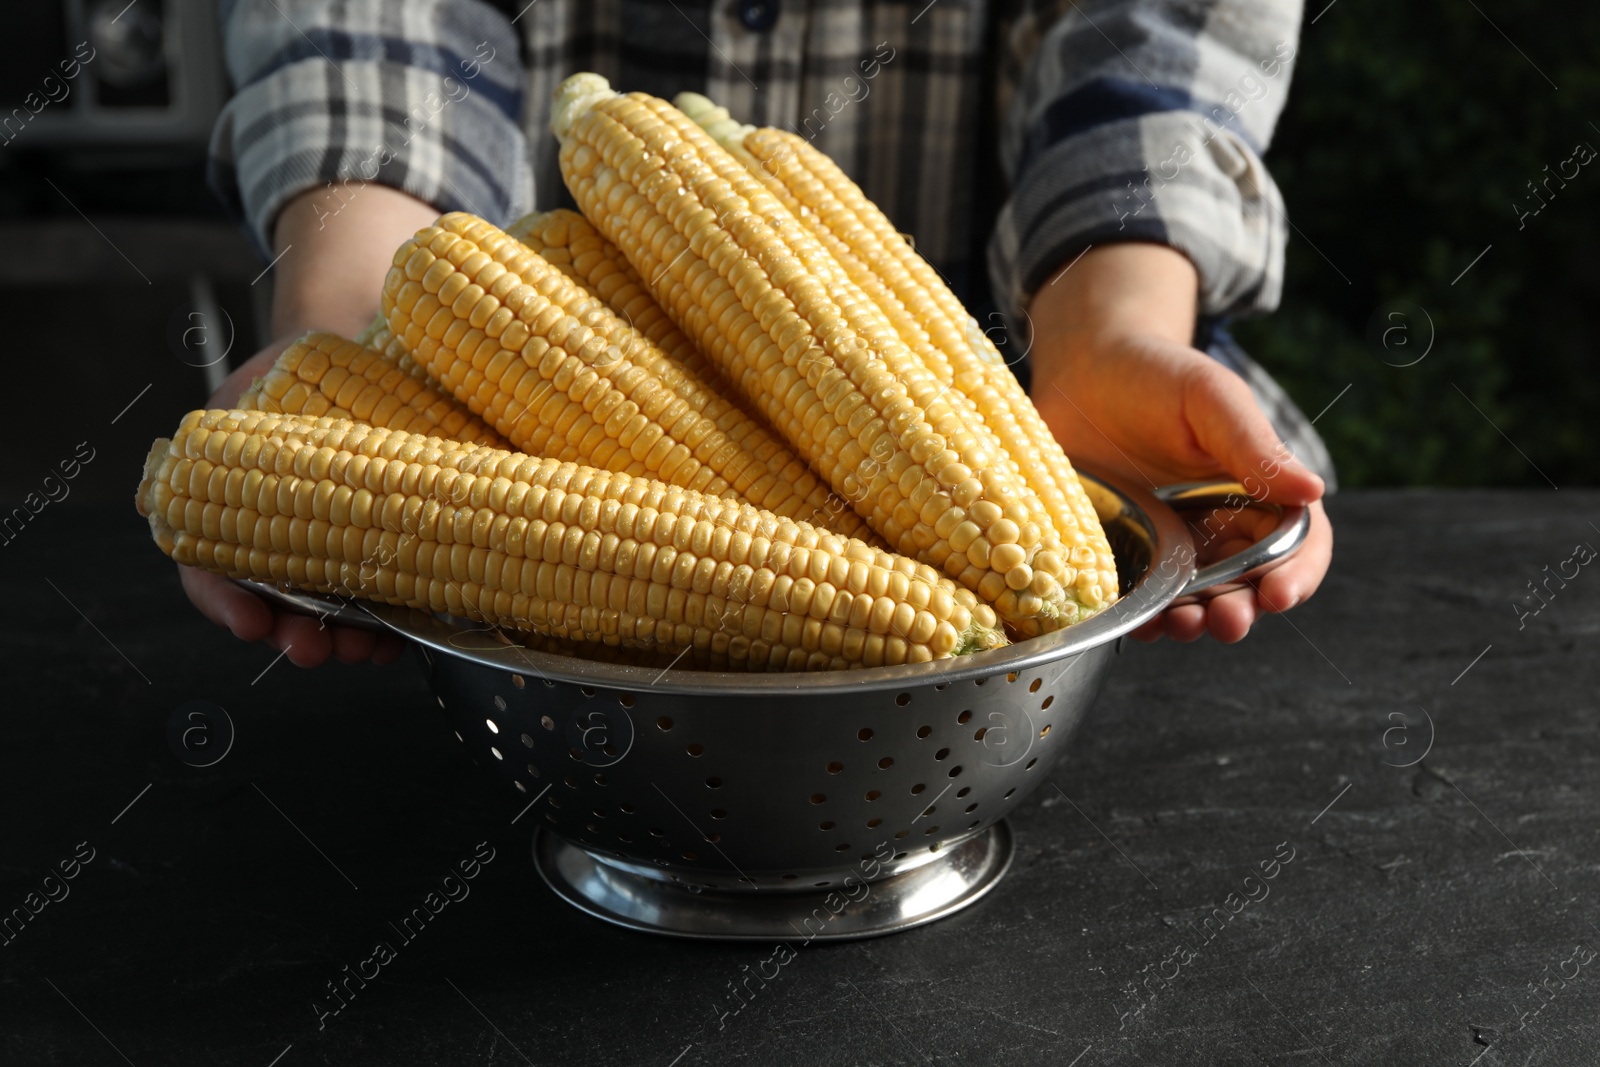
130	75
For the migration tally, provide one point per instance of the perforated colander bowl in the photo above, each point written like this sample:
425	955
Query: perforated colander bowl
837	804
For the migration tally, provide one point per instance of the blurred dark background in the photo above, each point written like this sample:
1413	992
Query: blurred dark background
121	275
1410	139
1412	146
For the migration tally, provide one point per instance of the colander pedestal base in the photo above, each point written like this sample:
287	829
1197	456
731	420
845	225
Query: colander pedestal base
966	871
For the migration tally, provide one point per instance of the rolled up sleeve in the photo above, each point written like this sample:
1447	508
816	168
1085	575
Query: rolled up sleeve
421	95
1146	121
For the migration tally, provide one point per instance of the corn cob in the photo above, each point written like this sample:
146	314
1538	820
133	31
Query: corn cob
378	338
852	312
567	241
803	203
556	372
921	306
322	374
800	197
929	317
569	552
778	314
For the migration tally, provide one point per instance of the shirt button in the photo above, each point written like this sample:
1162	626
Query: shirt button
758	15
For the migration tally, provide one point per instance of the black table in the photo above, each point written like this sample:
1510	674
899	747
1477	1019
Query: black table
1418	910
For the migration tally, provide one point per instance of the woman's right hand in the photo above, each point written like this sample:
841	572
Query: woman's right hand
334	253
308	640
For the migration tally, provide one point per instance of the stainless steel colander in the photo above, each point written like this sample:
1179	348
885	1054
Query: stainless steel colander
829	805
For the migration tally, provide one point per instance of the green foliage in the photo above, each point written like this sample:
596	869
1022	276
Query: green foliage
1410	134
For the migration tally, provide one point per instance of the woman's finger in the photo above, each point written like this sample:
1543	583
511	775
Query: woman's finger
225	604
1150	630
1229	616
352	645
1185	623
301	639
1229	424
1300	575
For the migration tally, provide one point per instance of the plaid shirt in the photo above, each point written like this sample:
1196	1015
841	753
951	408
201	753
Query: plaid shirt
1007	133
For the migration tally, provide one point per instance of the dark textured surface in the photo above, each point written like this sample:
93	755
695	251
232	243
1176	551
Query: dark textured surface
1419	907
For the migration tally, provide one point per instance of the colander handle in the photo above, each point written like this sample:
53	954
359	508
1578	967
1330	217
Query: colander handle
1226	575
329	609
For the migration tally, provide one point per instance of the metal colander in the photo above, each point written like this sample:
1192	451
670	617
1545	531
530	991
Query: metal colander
725	805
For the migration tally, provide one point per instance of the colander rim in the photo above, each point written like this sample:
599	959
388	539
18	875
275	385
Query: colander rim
1171	566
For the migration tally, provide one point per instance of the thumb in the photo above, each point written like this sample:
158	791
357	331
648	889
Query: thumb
1230	426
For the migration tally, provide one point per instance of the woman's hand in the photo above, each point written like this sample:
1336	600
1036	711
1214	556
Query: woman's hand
1115	378
329	277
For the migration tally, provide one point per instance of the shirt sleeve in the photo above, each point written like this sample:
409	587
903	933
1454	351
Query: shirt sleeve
421	95
1146	120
